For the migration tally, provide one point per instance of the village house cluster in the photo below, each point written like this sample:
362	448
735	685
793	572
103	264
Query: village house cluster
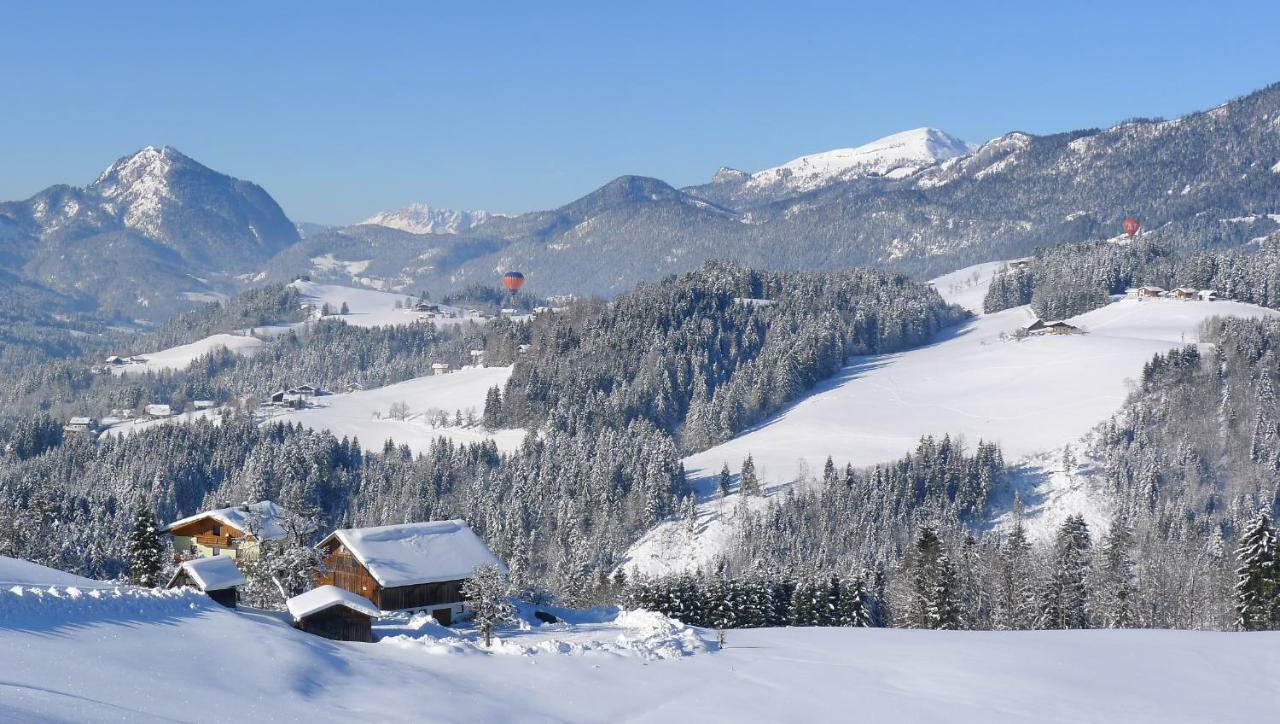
364	571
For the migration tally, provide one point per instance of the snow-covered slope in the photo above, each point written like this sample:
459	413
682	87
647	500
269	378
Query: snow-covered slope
365	414
181	357
372	308
1031	396
15	571
131	655
424	219
895	156
967	287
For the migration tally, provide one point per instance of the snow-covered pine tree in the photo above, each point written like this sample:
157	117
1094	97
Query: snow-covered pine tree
748	483
725	480
489	594
1067	596
1257	577
1115	573
853	609
146	552
492	415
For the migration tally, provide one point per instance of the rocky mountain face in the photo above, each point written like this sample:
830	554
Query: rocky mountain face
424	219
922	202
146	237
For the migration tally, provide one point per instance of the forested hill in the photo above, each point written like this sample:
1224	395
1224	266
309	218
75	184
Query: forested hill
706	354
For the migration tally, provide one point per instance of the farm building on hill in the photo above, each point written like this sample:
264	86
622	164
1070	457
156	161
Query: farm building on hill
334	613
219	578
1184	293
81	425
232	532
408	566
1042	327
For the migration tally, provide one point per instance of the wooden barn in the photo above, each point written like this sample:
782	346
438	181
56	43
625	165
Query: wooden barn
218	578
233	532
1184	293
408	566
334	613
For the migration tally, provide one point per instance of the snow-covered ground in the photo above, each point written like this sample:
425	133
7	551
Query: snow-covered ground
372	308
967	287
1032	396
181	357
130	655
365	414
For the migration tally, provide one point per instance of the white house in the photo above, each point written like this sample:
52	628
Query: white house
158	411
439	368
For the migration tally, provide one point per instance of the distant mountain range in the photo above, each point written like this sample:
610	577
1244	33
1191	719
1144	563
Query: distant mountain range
157	229
424	219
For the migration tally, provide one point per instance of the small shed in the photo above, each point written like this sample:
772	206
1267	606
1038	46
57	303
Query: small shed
218	577
439	368
1208	295
334	613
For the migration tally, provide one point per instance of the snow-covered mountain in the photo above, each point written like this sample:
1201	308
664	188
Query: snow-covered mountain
424	219
153	226
895	156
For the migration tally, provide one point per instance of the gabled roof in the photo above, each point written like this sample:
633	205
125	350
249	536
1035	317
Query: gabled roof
214	573
80	421
414	553
268	517
326	597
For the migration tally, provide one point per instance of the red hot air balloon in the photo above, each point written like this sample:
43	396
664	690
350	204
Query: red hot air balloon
1131	226
513	280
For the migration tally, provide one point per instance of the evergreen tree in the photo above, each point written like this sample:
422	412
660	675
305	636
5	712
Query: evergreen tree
1257	578
492	415
748	483
146	552
725	480
1115	589
1067	595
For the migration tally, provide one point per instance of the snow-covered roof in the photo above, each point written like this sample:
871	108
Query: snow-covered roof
267	516
213	573
324	597
1186	290
414	553
80	421
159	410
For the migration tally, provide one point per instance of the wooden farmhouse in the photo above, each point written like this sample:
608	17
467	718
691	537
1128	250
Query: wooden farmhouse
1042	327
219	578
1184	293
439	368
231	532
1208	295
1149	291
409	566
81	425
334	613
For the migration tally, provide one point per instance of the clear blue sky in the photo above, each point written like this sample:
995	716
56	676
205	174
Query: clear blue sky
341	110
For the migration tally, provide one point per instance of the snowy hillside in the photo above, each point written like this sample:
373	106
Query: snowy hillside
424	219
372	308
367	414
181	357
140	656
895	156
1031	396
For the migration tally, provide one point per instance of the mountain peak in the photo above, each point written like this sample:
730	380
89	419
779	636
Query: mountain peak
895	156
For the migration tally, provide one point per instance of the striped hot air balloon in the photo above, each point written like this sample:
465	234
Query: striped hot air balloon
513	280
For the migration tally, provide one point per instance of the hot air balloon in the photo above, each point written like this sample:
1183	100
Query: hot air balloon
1131	226
513	280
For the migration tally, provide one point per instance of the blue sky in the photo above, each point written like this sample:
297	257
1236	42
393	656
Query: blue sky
340	111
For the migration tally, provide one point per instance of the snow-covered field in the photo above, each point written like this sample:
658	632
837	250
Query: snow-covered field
129	655
181	357
365	414
372	308
1032	396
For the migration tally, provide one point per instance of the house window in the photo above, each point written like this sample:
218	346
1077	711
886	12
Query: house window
217	551
217	530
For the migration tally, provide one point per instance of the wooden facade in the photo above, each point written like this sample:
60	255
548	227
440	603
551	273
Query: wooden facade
344	570
340	624
208	533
